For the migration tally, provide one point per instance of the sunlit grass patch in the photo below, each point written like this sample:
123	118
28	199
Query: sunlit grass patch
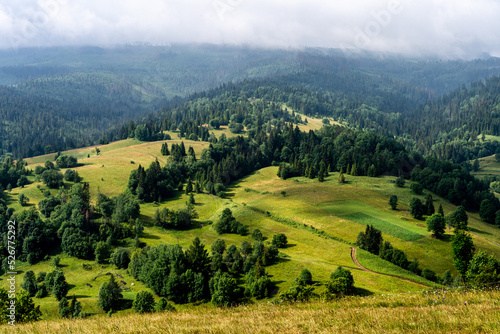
384	226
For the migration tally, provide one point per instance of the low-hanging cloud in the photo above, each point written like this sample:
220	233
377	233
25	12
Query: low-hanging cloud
425	27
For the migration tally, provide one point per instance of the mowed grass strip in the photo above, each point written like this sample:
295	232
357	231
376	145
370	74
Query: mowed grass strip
394	230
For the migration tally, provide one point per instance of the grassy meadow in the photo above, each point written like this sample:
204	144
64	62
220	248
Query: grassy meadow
438	312
321	221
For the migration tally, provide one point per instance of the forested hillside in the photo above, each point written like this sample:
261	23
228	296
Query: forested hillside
87	90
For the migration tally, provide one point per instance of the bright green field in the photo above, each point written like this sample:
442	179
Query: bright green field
384	226
347	209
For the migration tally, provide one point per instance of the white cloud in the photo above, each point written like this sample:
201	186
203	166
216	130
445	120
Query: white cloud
459	28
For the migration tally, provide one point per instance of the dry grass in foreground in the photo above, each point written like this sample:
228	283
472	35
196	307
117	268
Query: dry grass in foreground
458	312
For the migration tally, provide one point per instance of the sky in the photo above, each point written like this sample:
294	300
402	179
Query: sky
448	29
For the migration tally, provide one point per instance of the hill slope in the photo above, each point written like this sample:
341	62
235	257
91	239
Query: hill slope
321	221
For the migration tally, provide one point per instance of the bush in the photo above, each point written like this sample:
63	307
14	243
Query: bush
71	175
280	240
429	275
342	282
297	293
228	224
495	186
52	178
257	235
121	258
417	188
305	277
144	302
66	161
164	305
400	181
235	127
393	202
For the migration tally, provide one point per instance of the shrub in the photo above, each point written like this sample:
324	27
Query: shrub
417	188
144	302
429	275
342	282
121	258
305	277
280	240
257	235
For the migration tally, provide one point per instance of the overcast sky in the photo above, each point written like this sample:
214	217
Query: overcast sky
462	28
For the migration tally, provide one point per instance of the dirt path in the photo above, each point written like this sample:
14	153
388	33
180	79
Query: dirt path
356	262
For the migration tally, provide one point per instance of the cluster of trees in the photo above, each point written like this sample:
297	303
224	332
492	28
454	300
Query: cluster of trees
341	283
272	141
25	311
144	303
372	241
228	224
313	154
66	161
50	175
44	284
171	272
474	268
156	183
13	174
457	185
70	223
61	123
178	220
369	93
418	209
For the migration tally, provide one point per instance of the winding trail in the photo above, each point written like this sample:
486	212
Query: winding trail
356	262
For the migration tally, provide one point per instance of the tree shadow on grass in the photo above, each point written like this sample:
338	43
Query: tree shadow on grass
475	230
281	260
146	221
362	292
145	235
123	304
229	194
77	296
447	238
275	290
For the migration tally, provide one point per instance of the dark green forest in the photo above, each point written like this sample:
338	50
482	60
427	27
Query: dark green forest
72	96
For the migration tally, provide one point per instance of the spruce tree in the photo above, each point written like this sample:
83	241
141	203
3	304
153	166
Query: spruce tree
463	251
393	202
341	178
440	210
429	205
60	286
109	294
29	283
